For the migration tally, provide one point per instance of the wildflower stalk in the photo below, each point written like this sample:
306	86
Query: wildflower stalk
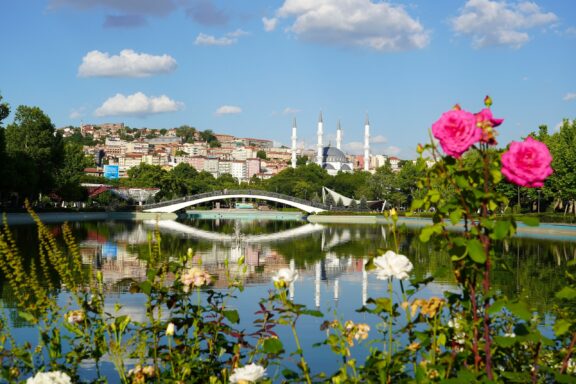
566	359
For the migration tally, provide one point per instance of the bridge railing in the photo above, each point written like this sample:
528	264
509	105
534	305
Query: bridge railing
228	192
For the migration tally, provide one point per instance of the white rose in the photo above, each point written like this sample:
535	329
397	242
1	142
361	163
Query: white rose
170	329
249	373
285	275
55	377
391	264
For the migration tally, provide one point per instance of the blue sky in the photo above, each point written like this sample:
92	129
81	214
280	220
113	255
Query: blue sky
248	68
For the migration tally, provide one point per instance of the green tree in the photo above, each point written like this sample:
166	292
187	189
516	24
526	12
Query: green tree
301	160
563	180
4	172
32	136
261	154
187	133
68	177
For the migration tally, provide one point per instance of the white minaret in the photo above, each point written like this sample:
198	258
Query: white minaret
319	146
339	136
366	144
294	137
317	284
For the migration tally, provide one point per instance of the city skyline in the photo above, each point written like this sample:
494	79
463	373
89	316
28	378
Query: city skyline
249	69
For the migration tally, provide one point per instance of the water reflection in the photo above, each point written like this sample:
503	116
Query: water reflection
329	258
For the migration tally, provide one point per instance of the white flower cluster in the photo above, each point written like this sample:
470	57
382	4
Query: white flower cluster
394	265
55	377
247	374
285	276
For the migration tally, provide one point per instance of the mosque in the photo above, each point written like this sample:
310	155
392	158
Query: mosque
333	159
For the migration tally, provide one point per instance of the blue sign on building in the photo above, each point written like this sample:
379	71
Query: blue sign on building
111	171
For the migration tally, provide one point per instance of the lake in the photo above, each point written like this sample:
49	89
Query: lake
329	259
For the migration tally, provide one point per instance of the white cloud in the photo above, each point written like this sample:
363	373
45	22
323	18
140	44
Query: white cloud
228	110
229	39
76	114
490	22
378	139
269	24
381	26
127	64
569	96
138	105
290	111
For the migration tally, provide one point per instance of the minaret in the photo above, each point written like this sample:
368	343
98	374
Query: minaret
339	136
366	144
294	137
320	145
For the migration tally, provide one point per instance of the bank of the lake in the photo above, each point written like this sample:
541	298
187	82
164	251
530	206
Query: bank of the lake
57	217
544	230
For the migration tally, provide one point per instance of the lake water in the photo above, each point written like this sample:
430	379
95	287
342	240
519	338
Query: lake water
329	259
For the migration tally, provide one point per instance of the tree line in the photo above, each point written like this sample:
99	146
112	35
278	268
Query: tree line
38	163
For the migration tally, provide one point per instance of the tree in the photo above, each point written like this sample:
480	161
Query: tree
4	179
32	137
301	160
261	154
353	205
563	181
187	133
67	177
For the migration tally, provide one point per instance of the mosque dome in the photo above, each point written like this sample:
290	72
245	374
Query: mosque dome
333	155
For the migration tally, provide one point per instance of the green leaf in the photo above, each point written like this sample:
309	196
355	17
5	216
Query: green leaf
496	175
272	345
568	293
501	229
530	221
520	310
496	307
476	251
456	216
312	312
232	316
561	327
289	374
442	339
146	287
427	232
27	316
461	181
517	377
503	341
417	203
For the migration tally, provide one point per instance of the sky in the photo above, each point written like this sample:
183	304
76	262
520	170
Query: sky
248	68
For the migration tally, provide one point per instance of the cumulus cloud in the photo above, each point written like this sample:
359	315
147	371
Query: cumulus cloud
269	24
380	25
204	12
229	39
127	64
138	105
569	96
490	22
140	7
124	21
228	110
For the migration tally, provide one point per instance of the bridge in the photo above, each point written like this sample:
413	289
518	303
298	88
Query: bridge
187	201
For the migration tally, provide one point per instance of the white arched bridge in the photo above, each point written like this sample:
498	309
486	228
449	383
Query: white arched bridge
187	201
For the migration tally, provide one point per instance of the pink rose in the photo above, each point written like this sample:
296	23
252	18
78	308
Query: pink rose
527	163
486	122
457	131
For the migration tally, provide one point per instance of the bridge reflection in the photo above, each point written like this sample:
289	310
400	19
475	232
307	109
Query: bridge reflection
119	259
